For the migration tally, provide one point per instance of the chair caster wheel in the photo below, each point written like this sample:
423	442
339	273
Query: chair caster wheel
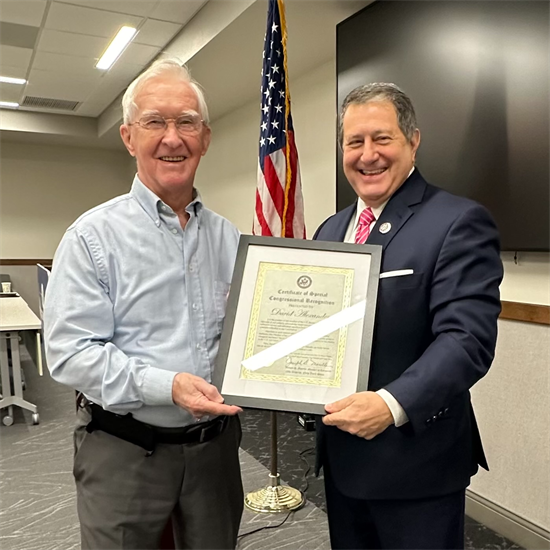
7	420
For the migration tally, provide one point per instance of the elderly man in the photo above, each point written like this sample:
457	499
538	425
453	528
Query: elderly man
399	456
133	317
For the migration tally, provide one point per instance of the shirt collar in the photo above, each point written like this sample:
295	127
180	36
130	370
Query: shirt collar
153	205
377	211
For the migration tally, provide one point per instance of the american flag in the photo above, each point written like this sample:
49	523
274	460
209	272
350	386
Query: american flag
279	204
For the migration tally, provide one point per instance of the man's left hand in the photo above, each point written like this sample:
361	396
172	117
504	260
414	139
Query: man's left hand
364	414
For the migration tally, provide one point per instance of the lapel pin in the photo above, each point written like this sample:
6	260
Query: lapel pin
385	228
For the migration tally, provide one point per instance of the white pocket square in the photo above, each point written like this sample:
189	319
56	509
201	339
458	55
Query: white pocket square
398	273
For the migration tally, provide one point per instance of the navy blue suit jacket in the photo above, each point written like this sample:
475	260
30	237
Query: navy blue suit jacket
435	335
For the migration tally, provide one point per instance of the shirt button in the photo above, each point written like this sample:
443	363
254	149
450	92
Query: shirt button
191	268
199	347
174	230
164	208
195	307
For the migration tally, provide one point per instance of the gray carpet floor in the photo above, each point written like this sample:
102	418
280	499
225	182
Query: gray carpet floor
37	495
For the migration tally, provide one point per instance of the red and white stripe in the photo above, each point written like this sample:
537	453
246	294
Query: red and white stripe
271	196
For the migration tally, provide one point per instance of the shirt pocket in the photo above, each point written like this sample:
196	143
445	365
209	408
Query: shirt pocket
221	291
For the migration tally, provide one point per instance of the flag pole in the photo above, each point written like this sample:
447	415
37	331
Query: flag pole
276	497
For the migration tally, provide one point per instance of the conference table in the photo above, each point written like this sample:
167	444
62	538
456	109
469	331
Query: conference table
15	317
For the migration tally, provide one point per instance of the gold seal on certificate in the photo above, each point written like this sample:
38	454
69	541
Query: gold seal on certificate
287	300
299	322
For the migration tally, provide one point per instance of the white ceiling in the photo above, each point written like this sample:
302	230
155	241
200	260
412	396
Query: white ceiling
65	38
55	44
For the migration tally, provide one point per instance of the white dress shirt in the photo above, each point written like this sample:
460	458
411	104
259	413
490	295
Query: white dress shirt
397	411
134	299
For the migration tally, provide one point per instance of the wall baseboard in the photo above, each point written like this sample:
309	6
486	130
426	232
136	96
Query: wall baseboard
508	524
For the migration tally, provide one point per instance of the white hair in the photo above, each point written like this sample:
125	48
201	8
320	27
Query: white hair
160	68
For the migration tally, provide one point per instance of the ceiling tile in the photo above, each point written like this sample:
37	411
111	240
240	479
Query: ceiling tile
14	72
125	72
137	54
80	66
157	33
65	17
15	57
59	85
105	94
22	36
11	92
131	7
78	44
23	12
122	77
176	10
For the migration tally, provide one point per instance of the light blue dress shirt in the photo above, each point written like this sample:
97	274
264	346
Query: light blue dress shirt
134	299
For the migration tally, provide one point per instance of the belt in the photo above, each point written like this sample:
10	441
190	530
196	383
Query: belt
147	436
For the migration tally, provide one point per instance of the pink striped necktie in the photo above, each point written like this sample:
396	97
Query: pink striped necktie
363	227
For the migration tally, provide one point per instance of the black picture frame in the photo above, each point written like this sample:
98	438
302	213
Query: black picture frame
366	258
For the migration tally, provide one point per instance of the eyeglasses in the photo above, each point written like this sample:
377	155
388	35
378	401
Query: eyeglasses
185	124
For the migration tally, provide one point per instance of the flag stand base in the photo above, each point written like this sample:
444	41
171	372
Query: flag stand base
275	498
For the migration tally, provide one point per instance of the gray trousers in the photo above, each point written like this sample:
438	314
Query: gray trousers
124	498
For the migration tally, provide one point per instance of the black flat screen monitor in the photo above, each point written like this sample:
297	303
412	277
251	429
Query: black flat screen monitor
478	74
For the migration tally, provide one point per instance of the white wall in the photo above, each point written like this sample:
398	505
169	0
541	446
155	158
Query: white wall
512	402
45	188
526	278
227	174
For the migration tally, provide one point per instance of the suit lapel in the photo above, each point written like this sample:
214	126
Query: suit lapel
347	214
398	210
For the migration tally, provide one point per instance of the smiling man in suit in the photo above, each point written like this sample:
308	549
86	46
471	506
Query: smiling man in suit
398	457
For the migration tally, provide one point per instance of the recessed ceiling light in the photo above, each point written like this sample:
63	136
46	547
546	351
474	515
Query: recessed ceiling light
116	47
9	104
10	80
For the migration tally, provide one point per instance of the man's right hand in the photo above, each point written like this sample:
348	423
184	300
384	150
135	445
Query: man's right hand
200	398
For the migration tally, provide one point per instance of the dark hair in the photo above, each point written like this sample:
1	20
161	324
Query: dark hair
382	91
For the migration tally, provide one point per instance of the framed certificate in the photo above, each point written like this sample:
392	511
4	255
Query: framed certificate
299	323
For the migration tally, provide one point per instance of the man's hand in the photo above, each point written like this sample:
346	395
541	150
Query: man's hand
200	398
364	414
